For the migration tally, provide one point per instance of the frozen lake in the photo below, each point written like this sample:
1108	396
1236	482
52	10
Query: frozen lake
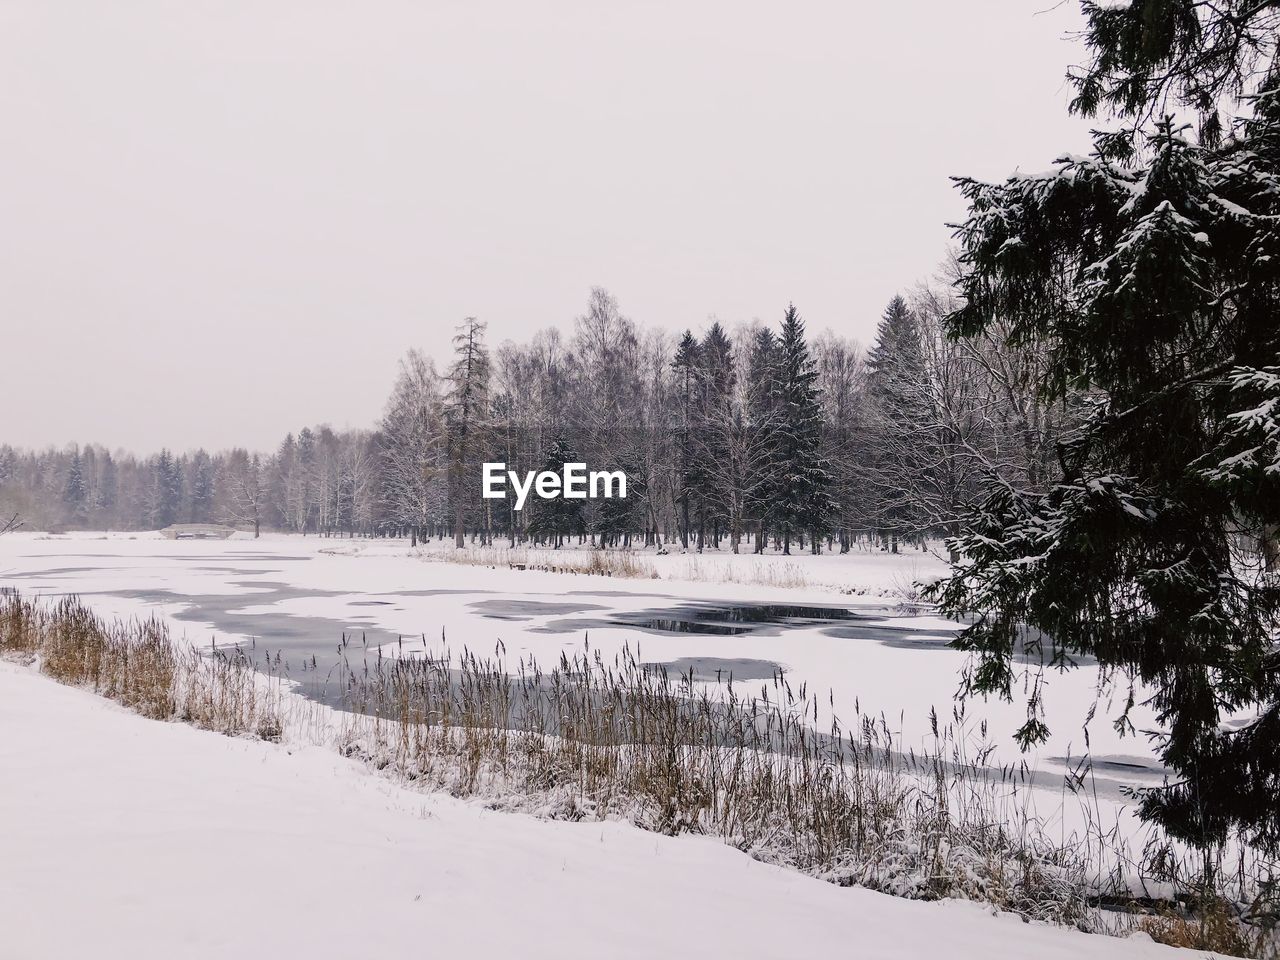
866	653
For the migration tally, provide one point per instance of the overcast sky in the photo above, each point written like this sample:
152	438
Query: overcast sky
220	221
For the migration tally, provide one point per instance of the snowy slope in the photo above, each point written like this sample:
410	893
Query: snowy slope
124	837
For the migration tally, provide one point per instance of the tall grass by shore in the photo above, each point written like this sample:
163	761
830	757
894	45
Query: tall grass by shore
600	563
631	565
137	664
589	738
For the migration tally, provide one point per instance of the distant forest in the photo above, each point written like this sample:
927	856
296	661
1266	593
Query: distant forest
760	437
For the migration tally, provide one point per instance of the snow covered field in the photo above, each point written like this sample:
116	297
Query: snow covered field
359	865
124	837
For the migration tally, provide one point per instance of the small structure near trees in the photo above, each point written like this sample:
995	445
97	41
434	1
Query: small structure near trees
198	531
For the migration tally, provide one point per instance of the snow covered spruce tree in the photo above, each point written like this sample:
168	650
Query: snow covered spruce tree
715	436
689	474
556	519
1150	273
762	473
75	491
898	388
202	478
805	504
164	492
466	419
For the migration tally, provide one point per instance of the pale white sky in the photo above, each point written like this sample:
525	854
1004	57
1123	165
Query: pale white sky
220	221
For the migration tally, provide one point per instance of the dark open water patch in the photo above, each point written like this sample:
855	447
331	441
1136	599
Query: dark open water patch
717	669
672	625
761	619
773	613
1121	765
731	619
904	637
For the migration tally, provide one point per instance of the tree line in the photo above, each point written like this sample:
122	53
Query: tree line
757	438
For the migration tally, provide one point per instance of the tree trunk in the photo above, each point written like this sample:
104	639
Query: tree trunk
1271	547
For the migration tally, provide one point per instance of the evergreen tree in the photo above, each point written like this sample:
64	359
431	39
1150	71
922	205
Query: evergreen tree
896	376
1150	273
106	492
164	495
763	469
687	387
804	481
201	485
75	492
897	354
466	418
714	428
557	517
306	447
617	517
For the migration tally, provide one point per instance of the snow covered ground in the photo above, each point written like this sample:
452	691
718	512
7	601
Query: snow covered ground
125	837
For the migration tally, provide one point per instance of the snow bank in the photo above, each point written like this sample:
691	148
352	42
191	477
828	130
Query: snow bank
125	837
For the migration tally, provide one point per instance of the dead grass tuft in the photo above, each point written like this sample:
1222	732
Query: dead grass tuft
1213	925
136	664
598	563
